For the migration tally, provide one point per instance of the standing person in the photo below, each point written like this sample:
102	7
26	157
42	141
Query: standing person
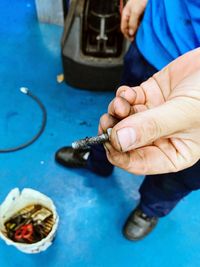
158	36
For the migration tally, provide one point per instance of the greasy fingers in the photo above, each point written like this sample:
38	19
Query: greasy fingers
106	121
119	108
163	134
127	93
148	160
143	161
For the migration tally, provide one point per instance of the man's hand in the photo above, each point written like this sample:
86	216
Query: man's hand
131	16
156	126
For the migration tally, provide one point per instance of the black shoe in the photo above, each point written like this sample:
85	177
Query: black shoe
138	225
69	157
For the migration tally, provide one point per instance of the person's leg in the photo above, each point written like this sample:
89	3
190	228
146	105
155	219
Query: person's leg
136	70
159	195
97	161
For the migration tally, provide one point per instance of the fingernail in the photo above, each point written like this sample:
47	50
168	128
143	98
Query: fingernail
131	32
126	137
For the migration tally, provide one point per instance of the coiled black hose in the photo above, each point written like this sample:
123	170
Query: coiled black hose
26	91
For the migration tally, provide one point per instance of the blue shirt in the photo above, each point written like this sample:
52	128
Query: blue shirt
169	29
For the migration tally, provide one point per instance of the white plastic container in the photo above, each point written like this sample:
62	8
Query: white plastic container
14	202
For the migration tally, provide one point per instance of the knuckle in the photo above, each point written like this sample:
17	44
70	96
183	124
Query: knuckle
121	89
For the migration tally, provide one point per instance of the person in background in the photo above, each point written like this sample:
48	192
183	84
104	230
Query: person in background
158	36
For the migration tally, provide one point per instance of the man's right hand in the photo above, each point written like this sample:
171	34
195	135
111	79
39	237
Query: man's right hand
131	16
156	126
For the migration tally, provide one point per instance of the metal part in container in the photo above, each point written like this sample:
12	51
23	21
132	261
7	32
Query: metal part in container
30	225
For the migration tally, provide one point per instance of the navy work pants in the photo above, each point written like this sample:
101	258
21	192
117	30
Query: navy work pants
159	193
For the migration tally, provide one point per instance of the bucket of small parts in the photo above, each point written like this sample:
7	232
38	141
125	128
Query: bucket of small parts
28	220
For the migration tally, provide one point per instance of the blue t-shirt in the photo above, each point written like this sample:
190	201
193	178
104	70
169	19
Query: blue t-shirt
169	29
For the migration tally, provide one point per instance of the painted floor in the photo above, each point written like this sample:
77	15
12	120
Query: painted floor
92	210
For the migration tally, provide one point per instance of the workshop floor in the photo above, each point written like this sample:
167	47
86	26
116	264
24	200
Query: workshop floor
92	210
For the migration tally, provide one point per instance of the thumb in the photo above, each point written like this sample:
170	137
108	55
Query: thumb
144	128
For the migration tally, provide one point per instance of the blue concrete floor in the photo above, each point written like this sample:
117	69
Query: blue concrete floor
92	210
